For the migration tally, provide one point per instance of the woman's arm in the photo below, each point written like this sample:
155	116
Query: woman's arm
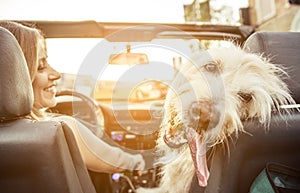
98	155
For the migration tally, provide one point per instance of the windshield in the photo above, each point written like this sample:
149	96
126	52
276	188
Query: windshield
84	65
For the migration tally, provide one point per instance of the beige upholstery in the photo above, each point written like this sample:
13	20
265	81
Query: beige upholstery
35	156
16	96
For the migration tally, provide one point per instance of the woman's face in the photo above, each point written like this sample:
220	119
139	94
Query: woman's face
44	82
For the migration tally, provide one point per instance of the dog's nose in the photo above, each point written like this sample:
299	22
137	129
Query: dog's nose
203	115
194	111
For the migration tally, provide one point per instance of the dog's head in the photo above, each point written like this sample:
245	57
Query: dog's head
216	91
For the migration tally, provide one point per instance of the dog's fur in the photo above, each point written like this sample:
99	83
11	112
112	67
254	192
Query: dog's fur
229	86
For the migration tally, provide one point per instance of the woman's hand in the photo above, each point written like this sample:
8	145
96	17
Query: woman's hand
139	162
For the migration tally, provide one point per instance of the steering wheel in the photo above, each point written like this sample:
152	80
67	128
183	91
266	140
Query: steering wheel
85	110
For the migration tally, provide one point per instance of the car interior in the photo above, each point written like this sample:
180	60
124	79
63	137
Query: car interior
43	156
36	156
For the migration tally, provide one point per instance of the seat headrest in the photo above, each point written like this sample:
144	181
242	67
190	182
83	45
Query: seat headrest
282	48
16	95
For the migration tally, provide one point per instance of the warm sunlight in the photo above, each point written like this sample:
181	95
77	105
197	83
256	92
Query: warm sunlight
170	11
112	10
70	61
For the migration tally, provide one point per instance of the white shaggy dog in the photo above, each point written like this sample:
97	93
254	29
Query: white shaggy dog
207	101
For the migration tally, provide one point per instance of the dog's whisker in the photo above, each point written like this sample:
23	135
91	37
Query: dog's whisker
175	141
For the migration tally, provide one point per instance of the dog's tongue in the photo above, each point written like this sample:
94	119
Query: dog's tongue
198	152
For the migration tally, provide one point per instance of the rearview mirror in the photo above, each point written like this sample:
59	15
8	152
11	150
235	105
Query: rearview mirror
128	58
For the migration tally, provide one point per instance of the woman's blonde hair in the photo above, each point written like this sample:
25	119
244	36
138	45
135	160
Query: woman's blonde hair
28	38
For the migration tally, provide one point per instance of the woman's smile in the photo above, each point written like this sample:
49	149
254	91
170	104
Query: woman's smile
51	89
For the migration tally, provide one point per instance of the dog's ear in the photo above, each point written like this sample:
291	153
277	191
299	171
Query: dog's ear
263	89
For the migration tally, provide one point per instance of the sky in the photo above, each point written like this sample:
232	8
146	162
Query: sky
110	10
101	10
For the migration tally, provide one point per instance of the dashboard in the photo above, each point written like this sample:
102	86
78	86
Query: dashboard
133	126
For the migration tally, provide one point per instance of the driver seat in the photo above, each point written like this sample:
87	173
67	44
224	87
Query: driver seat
36	156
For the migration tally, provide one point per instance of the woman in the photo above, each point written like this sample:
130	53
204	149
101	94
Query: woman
98	156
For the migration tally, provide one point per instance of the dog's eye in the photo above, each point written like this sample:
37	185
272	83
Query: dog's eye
211	67
245	97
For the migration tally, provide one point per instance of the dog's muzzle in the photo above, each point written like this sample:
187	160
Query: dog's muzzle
177	139
201	117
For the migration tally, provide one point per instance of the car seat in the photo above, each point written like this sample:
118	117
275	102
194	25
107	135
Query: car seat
35	156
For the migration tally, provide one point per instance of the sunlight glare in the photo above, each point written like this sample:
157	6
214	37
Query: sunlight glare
112	10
